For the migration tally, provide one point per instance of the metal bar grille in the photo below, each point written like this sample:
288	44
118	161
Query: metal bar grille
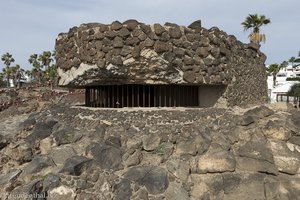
118	96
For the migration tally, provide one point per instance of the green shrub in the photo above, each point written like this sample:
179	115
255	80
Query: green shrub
293	79
2	83
294	90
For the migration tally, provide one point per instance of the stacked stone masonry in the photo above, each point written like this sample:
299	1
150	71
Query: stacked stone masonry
135	53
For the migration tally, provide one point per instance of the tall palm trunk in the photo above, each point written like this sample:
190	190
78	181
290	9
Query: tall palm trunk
274	80
19	81
7	79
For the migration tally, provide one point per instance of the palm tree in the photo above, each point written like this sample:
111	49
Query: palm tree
7	59
29	74
13	75
51	75
36	71
295	61
284	65
254	22
2	83
45	58
274	69
7	71
295	92
17	75
292	60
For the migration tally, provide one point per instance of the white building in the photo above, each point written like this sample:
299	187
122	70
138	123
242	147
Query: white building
282	86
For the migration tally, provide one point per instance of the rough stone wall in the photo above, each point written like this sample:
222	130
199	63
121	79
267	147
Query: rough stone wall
133	52
76	153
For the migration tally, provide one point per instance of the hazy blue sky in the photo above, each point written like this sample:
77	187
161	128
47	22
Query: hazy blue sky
31	26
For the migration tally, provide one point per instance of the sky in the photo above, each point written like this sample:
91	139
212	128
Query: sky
31	26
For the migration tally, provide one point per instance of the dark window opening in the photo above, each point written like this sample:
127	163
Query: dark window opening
119	96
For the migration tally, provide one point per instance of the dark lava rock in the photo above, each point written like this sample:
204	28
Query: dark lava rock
116	25
28	124
148	42
131	24
51	181
161	47
113	141
116	60
34	189
132	41
136	52
231	181
189	76
75	165
106	156
41	131
171	24
159	29
110	35
123	190
124	32
22	152
259	112
255	156
118	42
66	136
38	163
246	120
5	178
169	56
293	122
253	46
146	28
153	178
295	140
195	25
125	51
175	32
3	142
99	133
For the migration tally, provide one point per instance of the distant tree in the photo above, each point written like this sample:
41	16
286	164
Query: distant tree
43	70
292	61
45	58
295	92
51	75
2	83
284	65
29	74
17	75
36	71
297	60
274	69
8	60
254	22
7	71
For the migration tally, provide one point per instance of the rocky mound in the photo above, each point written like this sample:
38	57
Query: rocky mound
71	152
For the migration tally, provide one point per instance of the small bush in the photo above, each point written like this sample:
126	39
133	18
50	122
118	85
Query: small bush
293	79
294	90
2	83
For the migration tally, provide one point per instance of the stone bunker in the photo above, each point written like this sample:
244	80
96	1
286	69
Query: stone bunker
132	64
